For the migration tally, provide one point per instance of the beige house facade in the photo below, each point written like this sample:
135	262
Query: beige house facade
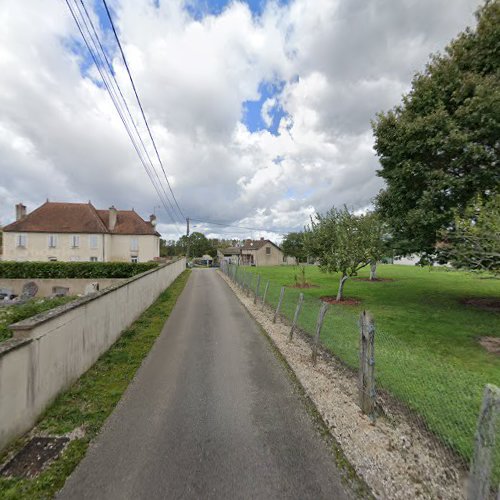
79	232
254	253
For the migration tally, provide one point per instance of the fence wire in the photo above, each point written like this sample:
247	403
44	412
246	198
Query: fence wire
437	398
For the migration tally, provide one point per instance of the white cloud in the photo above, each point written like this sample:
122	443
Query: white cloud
342	61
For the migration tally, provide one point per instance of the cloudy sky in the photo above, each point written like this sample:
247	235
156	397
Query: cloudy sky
260	109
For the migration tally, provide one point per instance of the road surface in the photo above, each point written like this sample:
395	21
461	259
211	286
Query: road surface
211	413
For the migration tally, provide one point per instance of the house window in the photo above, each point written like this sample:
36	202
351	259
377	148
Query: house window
75	241
52	240
268	250
134	244
134	259
93	241
53	259
21	240
74	258
93	259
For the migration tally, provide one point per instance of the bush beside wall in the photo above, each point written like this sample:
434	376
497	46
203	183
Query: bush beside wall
88	270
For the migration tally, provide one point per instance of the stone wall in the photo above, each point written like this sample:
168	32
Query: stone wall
53	349
45	286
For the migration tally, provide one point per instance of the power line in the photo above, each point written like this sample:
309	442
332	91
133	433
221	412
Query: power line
114	98
140	105
109	71
230	225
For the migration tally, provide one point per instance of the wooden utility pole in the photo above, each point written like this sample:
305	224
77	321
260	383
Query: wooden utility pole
187	239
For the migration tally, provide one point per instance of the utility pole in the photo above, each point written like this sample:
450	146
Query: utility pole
187	234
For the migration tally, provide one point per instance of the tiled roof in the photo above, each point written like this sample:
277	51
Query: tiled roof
248	245
257	244
128	222
231	250
54	217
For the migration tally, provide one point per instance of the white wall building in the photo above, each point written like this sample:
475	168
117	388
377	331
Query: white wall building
79	232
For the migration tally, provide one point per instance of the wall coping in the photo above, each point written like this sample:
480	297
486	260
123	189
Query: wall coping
12	344
43	317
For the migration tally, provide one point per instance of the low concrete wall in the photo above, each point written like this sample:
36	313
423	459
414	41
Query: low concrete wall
53	349
45	286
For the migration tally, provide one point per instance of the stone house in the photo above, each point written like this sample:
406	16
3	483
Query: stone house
254	253
80	232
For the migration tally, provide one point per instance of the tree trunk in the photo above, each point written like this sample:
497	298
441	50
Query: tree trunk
341	287
373	270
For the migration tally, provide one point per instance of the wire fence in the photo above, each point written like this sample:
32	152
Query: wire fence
438	398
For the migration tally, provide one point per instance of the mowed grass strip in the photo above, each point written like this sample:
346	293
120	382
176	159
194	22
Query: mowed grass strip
93	397
427	350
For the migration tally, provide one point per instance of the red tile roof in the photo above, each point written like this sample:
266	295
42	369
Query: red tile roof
53	217
248	245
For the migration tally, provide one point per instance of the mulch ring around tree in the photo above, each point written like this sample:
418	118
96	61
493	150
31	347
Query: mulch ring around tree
372	281
486	304
347	301
491	344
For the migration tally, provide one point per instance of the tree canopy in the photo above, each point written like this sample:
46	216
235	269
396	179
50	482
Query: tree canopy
293	245
440	148
474	242
343	242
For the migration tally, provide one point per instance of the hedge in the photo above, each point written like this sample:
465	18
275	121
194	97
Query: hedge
59	270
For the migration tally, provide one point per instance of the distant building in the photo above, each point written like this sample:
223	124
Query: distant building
80	232
254	253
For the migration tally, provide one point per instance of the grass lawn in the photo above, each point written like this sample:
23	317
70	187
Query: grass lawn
427	349
92	398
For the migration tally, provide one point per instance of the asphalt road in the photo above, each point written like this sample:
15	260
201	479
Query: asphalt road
211	413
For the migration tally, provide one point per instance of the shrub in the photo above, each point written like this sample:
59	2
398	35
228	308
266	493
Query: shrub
59	270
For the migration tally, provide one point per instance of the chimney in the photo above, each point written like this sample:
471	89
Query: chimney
112	217
262	238
152	220
20	211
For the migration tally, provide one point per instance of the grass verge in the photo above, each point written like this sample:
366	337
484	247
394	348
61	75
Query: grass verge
427	352
90	400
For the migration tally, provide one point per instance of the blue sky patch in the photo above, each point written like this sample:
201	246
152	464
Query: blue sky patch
199	9
252	110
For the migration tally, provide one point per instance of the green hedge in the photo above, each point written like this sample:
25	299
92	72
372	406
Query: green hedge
59	270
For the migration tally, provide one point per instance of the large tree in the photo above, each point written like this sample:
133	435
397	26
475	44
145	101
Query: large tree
474	242
343	242
293	246
440	148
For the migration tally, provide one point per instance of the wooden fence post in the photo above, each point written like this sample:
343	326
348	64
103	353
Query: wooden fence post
257	289
249	284
264	296
296	315
319	325
484	447
366	382
282	292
